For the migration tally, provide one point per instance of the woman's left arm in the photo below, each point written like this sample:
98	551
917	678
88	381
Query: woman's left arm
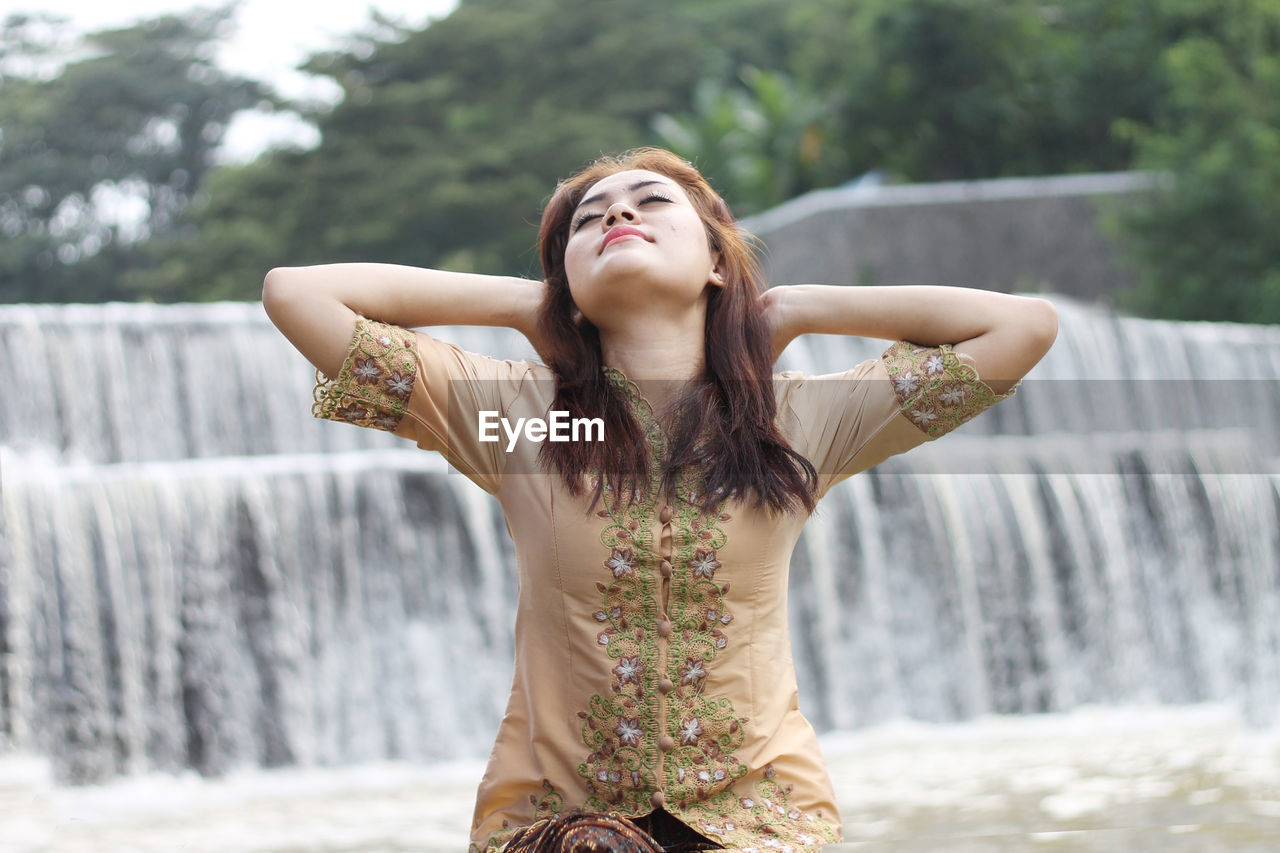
1002	334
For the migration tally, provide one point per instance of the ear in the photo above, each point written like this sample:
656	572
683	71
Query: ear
717	270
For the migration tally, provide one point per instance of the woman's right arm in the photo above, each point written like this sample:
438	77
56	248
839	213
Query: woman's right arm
316	307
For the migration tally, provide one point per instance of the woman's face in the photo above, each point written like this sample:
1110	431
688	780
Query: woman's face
636	241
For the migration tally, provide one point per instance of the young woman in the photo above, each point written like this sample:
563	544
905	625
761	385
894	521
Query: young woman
653	675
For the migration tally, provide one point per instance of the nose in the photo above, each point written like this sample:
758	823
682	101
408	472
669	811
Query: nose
618	213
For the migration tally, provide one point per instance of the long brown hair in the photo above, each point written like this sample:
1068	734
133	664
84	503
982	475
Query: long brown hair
724	425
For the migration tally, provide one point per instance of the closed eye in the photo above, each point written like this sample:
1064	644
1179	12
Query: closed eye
654	197
587	217
584	219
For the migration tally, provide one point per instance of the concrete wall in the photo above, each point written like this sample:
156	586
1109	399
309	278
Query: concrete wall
1023	234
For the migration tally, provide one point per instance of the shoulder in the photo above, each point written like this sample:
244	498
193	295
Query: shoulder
433	349
798	387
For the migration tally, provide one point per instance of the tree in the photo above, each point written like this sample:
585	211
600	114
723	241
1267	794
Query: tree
448	140
759	144
933	89
1205	242
108	151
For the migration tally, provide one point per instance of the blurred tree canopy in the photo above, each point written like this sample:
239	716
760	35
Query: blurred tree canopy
1206	245
448	139
108	152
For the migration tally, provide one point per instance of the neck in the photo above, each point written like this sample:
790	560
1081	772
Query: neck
659	354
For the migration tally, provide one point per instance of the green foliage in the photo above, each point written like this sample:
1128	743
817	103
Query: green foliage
106	153
759	144
1205	242
448	140
934	89
233	238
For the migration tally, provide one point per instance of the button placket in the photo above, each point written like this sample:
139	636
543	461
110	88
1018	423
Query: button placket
664	542
665	628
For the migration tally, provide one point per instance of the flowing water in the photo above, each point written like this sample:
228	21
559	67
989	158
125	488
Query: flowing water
196	577
1140	780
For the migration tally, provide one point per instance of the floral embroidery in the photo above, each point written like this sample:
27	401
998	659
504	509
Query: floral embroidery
705	564
906	384
763	820
626	764
550	803
707	729
620	562
366	371
353	412
693	673
952	394
400	384
936	390
621	727
629	731
629	670
690	730
923	417
376	380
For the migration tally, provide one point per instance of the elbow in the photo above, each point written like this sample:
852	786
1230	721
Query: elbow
1046	322
274	282
1038	331
1038	322
277	287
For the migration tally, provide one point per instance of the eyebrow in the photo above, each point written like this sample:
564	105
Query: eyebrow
630	189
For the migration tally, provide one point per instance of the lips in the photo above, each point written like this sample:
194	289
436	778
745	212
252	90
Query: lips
620	231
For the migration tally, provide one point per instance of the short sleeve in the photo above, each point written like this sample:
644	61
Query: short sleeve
848	422
423	389
936	389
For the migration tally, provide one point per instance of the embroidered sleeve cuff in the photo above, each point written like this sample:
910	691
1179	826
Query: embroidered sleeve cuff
936	390
376	380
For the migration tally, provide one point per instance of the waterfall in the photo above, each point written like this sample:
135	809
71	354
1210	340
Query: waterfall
194	572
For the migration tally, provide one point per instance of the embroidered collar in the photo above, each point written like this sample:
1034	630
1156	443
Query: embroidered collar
631	389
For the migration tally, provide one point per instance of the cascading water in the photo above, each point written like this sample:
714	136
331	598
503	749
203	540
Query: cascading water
194	572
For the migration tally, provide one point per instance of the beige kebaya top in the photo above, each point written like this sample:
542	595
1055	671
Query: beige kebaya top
653	663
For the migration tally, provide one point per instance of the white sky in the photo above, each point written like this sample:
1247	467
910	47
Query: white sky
272	37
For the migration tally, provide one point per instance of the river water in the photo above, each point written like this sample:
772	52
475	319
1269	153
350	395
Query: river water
1153	779
206	595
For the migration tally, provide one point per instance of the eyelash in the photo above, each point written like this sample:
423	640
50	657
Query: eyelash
587	217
